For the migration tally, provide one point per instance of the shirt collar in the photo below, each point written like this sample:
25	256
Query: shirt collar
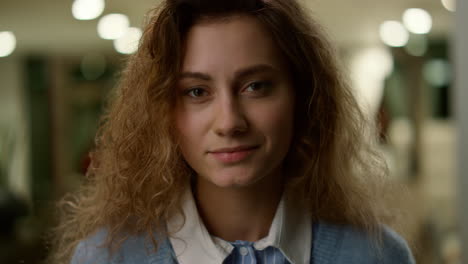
290	232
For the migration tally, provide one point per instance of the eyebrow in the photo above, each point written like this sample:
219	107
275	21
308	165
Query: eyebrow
239	74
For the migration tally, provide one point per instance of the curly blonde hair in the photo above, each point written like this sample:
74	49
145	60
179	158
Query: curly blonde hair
137	174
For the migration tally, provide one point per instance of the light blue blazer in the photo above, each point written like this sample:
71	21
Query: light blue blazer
332	244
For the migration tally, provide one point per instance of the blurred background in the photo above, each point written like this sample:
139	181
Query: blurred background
59	59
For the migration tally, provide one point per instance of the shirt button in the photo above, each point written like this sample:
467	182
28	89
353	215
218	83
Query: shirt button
243	251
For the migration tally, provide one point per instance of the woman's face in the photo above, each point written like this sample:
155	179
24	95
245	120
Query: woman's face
235	103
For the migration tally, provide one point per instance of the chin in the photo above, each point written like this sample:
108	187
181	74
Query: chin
234	179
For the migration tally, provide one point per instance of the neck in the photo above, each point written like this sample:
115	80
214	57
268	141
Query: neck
239	213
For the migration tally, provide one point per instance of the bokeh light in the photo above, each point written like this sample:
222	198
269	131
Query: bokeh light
450	5
417	45
370	66
437	72
87	9
7	43
393	33
113	26
128	43
93	66
417	20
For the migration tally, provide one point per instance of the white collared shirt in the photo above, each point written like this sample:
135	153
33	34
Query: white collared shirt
290	232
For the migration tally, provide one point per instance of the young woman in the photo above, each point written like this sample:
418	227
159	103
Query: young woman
232	138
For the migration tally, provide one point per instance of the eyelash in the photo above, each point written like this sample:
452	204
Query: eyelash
265	85
189	92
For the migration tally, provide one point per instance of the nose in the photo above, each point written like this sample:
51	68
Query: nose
230	118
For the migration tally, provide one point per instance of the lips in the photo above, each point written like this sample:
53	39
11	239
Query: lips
232	155
234	149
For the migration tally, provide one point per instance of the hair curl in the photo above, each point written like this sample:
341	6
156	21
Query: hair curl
137	173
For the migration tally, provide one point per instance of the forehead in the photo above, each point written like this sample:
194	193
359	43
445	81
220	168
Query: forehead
228	43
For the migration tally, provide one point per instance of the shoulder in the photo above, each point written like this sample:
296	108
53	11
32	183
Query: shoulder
346	244
133	250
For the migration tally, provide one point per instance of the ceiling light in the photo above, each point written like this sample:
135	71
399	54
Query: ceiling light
113	26
393	33
87	9
369	68
417	20
128	43
7	43
450	5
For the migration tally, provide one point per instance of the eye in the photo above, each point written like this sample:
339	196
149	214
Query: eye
196	92
262	86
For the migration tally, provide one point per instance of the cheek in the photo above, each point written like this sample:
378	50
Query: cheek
276	119
189	131
282	126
